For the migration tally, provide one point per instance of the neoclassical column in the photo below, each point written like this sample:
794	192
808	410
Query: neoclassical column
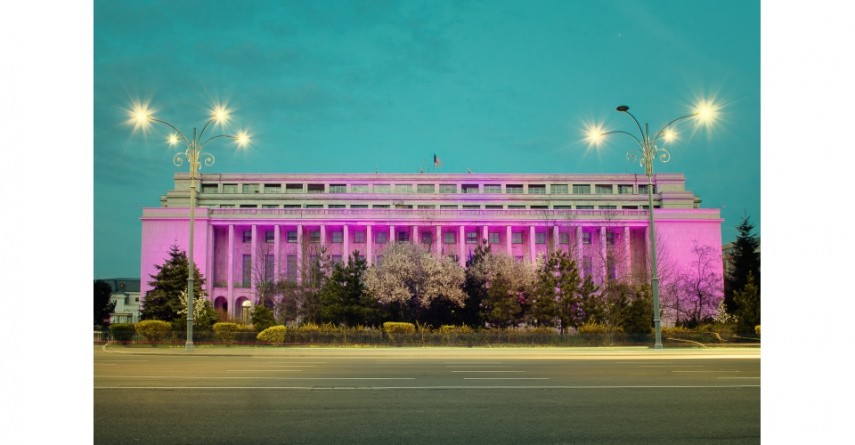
437	249
415	237
299	253
627	249
253	258
230	268
531	239
508	240
485	234
578	243
556	239
461	248
391	233
345	244
323	235
369	248
604	254
277	254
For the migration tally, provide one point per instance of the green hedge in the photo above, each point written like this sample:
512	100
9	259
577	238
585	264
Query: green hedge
153	331
226	332
273	335
122	332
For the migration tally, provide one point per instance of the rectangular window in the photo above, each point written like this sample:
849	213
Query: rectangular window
586	237
642	189
246	277
612	270
492	188
291	206
403	236
425	188
403	188
337	236
381	237
338	188
516	238
269	236
427	237
380	206
448	206
293	188
314	206
610	238
448	238
403	206
292	236
539	207
359	237
315	236
316	188
359	206
227	206
562	207
448	188
250	188
471	237
604	189
514	188
494	237
515	207
272	188
291	266
471	207
587	266
493	206
249	206
359	188
247	236
336	206
382	188
625	189
629	207
540	237
564	238
558	189
470	188
230	188
270	206
537	189
268	268
581	189
608	207
584	207
209	188
426	206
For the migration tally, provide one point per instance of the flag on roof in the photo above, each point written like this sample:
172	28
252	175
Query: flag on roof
436	162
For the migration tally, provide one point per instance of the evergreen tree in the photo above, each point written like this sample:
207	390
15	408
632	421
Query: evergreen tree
475	287
745	261
343	297
555	297
163	301
103	306
748	304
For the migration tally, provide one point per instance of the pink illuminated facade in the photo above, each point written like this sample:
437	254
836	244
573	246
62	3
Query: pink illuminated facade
277	220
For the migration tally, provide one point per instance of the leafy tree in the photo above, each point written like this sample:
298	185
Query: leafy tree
409	280
699	289
474	286
593	307
748	303
204	314
745	260
163	300
103	306
262	317
629	309
506	286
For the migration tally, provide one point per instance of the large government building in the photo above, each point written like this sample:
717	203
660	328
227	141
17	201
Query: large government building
274	222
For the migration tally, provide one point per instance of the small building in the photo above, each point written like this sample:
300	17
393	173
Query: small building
126	294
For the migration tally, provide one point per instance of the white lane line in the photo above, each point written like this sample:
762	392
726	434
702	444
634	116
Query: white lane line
160	377
378	388
472	363
264	370
706	371
487	371
671	366
506	378
733	378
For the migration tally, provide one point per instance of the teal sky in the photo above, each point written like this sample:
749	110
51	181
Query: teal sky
364	86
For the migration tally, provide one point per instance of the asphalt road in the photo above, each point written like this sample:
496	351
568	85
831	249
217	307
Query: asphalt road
426	396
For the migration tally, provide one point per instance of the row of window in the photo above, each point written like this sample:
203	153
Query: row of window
382	237
534	189
427	206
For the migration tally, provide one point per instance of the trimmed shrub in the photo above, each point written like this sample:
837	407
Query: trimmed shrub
122	332
274	335
226	332
398	331
757	329
153	331
262	317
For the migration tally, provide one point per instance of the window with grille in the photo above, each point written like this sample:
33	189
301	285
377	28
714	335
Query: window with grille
537	189
494	237
425	188
471	237
581	189
448	188
448	238
230	188
382	188
359	237
492	188
338	188
359	188
272	188
250	188
604	189
540	237
516	238
558	189
514	188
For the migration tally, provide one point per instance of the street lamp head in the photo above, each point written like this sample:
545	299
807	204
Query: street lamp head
595	135
242	138
140	116
623	108
706	112
220	114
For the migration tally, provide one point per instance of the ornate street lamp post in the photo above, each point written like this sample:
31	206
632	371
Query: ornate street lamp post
194	155
647	151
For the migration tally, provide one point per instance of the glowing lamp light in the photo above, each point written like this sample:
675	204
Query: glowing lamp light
140	116
595	135
243	139
706	112
669	135
173	139
220	114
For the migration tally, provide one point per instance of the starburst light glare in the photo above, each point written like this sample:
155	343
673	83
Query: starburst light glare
706	112
220	114
595	135
243	139
173	139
